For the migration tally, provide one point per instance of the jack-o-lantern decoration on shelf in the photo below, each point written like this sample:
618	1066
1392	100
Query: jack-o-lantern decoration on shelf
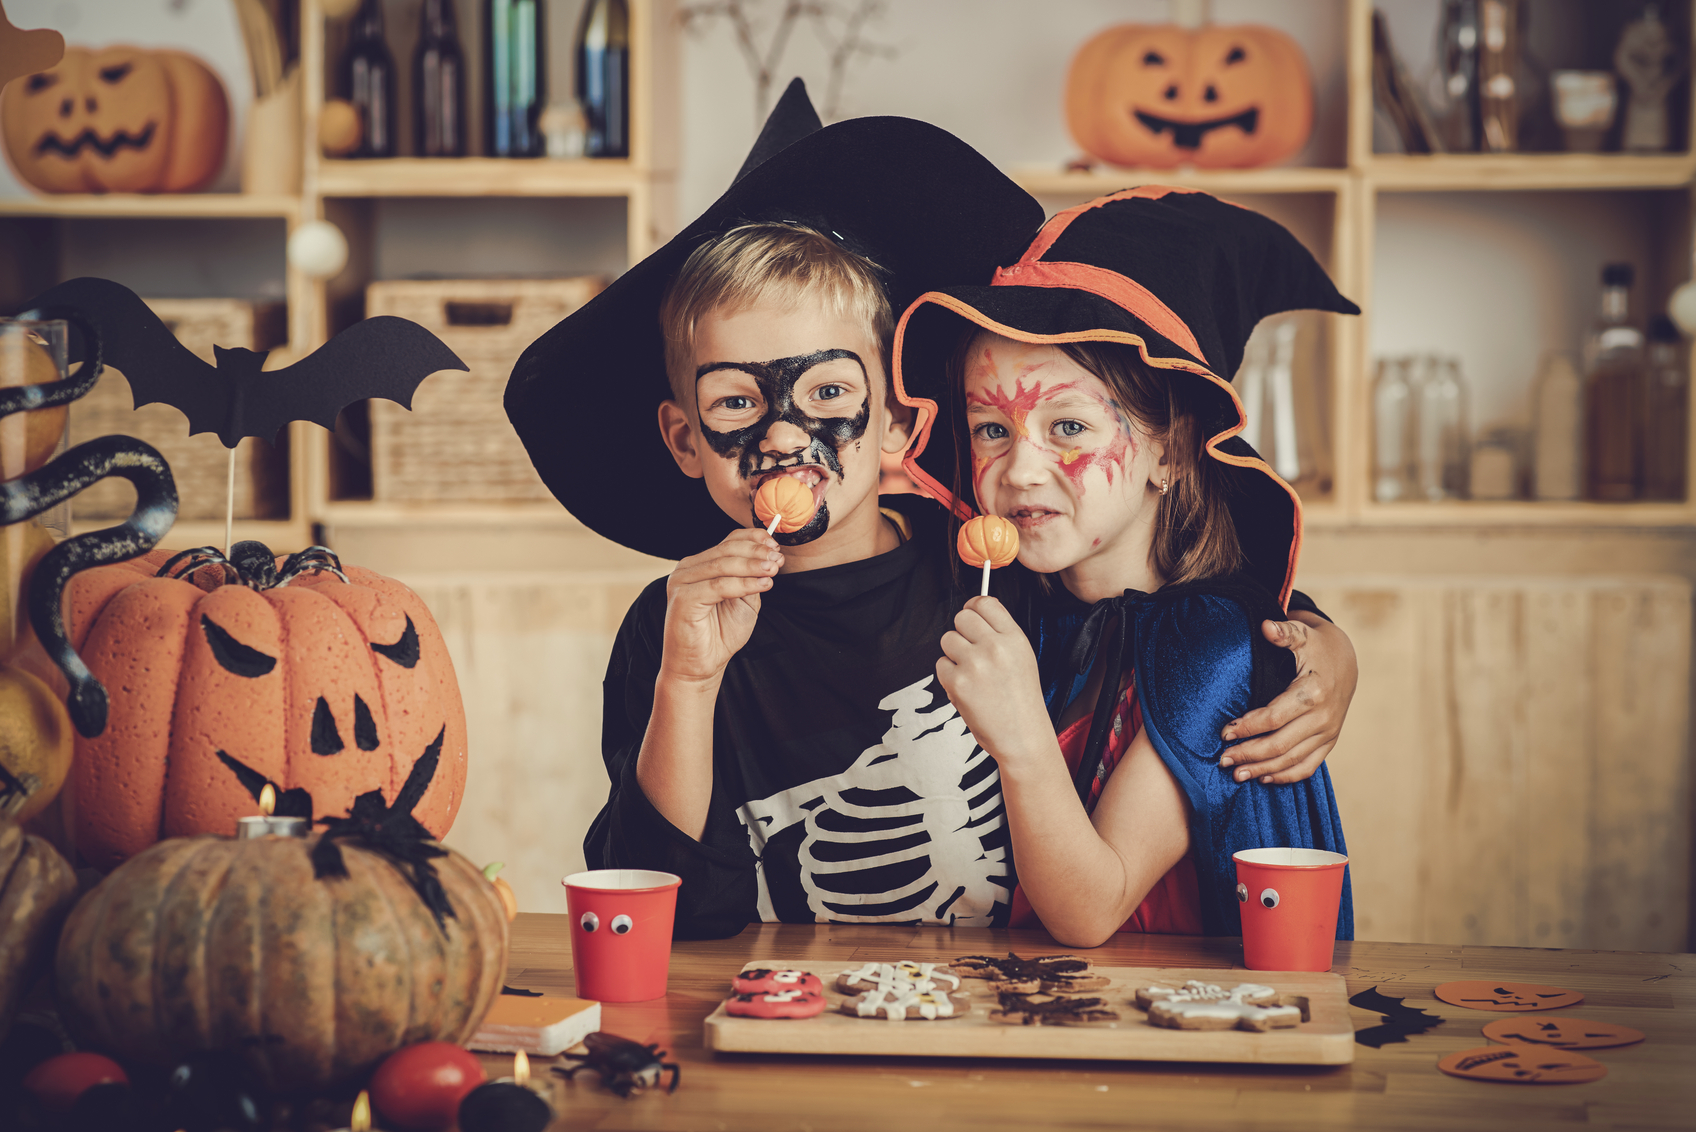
325	681
1219	97
120	120
311	959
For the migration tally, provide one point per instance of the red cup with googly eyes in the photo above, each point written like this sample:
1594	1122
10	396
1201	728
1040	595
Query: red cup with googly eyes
621	932
1289	900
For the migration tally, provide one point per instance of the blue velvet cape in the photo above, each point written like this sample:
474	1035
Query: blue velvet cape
1200	661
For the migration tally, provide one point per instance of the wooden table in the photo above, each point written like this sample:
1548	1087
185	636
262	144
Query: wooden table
1651	1085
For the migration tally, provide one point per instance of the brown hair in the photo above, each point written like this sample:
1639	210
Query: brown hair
763	262
1194	534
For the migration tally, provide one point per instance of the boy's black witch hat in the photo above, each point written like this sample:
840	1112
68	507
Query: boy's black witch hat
1180	275
913	198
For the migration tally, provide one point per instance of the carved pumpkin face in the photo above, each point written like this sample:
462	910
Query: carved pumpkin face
1523	1065
1219	97
1485	994
1563	1033
317	684
117	120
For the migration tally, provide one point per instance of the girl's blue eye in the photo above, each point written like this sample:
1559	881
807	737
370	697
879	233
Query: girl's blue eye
990	431
1068	428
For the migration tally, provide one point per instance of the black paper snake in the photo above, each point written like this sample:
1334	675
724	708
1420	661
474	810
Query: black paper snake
53	483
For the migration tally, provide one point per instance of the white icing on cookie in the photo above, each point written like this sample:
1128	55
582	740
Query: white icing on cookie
893	1000
787	996
1198	1000
923	975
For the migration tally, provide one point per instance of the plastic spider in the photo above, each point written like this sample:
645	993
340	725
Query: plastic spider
624	1065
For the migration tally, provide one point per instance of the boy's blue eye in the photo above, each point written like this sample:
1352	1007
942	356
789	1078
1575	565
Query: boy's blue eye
1068	428
829	392
737	404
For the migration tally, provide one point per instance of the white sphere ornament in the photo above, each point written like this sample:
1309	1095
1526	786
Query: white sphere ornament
318	249
1682	307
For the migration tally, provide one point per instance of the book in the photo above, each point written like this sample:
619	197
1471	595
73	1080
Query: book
539	1026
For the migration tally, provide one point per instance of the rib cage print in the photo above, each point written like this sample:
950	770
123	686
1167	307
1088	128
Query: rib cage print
913	831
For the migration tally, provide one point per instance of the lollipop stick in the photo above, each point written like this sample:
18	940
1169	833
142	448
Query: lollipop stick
986	569
771	527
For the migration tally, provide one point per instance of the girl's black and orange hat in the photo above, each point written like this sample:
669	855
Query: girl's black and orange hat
1182	276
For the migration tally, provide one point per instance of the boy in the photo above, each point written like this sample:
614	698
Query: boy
780	742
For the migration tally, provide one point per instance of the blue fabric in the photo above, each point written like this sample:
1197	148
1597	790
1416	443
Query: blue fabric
1194	657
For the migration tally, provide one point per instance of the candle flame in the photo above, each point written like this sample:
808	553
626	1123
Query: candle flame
361	1119
268	800
521	1068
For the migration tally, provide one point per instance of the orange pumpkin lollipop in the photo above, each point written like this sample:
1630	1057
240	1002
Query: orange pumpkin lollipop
988	541
783	504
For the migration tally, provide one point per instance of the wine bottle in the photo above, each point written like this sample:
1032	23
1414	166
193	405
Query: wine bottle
515	66
1666	417
438	71
1613	395
603	76
368	81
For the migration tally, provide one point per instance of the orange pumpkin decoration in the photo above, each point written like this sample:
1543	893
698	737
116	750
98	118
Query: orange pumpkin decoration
37	889
206	943
122	120
1217	97
315	678
988	538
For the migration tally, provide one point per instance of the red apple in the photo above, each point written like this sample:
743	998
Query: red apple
419	1088
59	1081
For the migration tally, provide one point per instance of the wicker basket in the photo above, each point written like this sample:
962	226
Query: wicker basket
456	445
199	464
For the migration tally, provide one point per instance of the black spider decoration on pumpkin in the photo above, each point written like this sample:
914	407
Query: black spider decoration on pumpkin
252	564
624	1065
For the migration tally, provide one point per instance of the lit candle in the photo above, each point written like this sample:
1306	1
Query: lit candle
267	826
506	1105
360	1121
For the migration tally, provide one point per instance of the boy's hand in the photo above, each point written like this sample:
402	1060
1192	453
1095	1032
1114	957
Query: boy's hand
711	602
1298	729
989	672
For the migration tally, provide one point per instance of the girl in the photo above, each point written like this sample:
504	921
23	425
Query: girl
1085	394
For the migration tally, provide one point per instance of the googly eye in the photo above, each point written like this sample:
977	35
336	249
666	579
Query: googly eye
622	924
1269	897
1242	894
590	921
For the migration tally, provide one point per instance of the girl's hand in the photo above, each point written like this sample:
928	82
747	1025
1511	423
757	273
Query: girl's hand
712	600
1298	729
989	672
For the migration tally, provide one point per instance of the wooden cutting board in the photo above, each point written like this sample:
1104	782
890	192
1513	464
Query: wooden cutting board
1327	1038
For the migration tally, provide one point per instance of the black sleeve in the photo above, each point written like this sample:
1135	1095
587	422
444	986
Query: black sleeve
1301	601
718	894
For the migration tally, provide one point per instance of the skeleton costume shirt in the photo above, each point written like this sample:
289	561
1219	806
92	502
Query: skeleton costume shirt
846	788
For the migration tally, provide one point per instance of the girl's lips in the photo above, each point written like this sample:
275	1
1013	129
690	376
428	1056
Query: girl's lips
1028	518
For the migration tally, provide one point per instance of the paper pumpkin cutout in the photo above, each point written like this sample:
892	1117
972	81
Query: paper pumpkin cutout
1479	994
26	52
1562	1033
1218	97
1523	1065
122	120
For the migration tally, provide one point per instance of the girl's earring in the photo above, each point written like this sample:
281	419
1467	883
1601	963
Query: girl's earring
1164	486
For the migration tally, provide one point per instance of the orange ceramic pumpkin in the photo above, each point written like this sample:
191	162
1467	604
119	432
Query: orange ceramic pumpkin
122	120
1218	97
314	683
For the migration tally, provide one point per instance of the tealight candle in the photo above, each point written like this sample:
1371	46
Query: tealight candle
265	825
360	1121
506	1105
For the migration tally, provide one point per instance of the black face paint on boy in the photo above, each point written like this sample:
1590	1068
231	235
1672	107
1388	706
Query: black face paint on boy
826	436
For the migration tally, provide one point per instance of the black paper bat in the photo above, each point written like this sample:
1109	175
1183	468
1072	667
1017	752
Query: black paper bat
1399	1020
380	357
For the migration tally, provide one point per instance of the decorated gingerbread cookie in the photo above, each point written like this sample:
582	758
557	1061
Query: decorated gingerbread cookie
1209	1006
1051	1010
925	976
765	980
1050	974
794	1003
899	1002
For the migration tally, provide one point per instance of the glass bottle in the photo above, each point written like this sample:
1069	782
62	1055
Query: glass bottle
1613	395
603	76
1557	463
516	76
1666	415
368	81
1441	452
438	71
1392	431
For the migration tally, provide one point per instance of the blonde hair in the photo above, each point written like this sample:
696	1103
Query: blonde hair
767	262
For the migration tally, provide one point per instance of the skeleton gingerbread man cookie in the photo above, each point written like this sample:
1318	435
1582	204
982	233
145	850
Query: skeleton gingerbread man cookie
926	976
1209	1006
898	1002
